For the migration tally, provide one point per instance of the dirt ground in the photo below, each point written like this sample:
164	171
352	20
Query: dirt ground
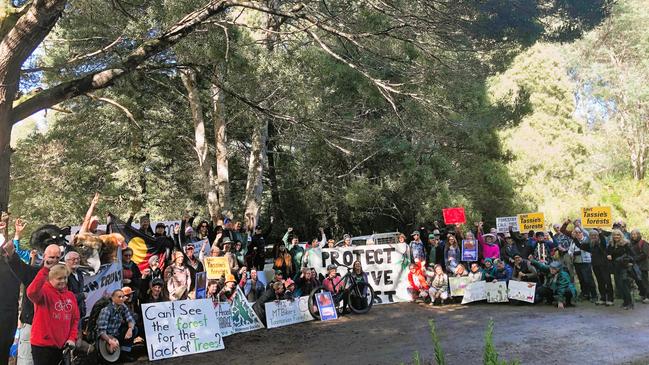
389	334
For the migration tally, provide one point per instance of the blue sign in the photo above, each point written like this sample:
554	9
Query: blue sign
201	285
326	306
469	250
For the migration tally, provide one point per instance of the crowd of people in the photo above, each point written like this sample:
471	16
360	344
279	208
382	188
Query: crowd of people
52	309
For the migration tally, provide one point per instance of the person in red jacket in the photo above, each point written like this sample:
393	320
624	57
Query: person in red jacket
56	314
418	288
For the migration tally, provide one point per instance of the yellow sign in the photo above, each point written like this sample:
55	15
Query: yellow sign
531	221
596	217
217	267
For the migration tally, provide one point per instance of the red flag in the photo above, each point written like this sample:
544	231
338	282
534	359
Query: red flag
454	215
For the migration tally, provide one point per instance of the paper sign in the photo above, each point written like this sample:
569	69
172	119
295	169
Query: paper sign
454	215
521	290
201	285
531	221
326	306
458	285
496	292
474	292
596	217
102	284
469	250
286	312
216	267
503	223
244	318
181	328
224	316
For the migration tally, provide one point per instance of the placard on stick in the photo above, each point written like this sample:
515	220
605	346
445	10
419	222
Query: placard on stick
531	221
454	215
217	267
596	217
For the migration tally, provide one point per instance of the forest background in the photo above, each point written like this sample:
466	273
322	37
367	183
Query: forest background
358	116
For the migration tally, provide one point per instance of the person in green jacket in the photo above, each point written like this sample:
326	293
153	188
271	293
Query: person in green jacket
557	286
293	247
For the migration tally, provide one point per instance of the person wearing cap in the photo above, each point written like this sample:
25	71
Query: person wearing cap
252	287
155	294
180	278
191	260
488	245
503	271
116	326
435	249
130	301
278	278
523	270
275	292
229	289
556	286
227	253
289	289
489	270
417	250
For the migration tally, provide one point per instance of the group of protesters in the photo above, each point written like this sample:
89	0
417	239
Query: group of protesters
53	306
555	260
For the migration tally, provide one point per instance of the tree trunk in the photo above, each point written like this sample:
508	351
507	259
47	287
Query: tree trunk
221	143
5	164
254	185
276	206
201	145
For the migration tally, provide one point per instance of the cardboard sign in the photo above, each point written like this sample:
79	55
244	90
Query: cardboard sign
503	223
454	215
326	306
286	312
521	290
244	318
531	221
597	217
458	285
496	292
181	328
474	292
469	250
224	316
217	266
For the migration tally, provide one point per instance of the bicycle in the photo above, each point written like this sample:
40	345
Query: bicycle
359	296
68	355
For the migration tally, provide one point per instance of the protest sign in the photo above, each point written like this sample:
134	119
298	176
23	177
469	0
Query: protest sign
454	215
474	292
201	285
521	290
244	319
181	328
458	285
496	292
326	306
224	316
596	217
286	312
216	267
469	250
503	224
386	266
102	284
531	221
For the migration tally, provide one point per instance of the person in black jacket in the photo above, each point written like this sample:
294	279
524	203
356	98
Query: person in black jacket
601	265
8	304
275	292
619	252
75	281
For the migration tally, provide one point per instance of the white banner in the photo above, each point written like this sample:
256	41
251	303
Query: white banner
224	316
503	223
286	312
102	284
474	292
386	267
181	328
496	292
521	290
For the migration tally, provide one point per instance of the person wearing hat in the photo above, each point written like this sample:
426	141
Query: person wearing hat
275	292
557	286
523	270
289	289
116	327
488	244
131	275
191	261
417	250
180	278
155	294
279	278
435	249
229	289
503	271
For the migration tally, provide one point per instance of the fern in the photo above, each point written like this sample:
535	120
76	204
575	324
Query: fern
439	353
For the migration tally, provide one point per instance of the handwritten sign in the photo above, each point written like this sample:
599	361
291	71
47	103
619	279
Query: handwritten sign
287	312
521	290
217	267
531	221
596	217
503	224
474	292
496	292
224	316
458	285
181	328
454	215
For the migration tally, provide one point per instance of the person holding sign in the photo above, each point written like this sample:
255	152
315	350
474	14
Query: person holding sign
601	266
116	326
488	245
56	314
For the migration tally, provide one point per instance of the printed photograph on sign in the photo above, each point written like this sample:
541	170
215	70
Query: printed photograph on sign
326	306
496	292
201	285
597	217
521	290
469	250
458	285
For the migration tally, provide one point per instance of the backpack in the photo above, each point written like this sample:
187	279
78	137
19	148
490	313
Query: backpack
90	328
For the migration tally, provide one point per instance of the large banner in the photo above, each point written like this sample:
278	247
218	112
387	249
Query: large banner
503	224
181	328
102	284
531	221
286	312
597	217
386	267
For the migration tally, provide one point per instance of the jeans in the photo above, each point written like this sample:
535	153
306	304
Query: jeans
604	284
586	283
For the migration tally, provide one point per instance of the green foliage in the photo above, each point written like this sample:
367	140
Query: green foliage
439	352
